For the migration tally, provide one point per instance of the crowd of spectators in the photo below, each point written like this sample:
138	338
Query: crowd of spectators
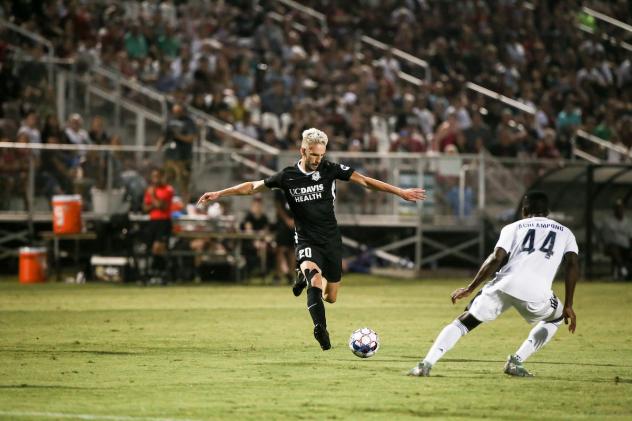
271	80
534	52
248	64
58	171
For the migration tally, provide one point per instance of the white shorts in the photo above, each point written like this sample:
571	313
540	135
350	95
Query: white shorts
491	302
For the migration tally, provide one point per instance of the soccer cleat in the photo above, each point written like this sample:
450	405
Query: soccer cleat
299	283
514	367
422	369
322	336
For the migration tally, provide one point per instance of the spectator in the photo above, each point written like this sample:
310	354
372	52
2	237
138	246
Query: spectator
570	118
505	145
408	140
75	134
276	106
390	65
269	37
247	127
136	43
165	80
51	128
168	42
407	115
178	140
616	232
256	222
56	171
14	170
447	133
29	128
546	148
478	136
97	132
157	203
243	79
284	237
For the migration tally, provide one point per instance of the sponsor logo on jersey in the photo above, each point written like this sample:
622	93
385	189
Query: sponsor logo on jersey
306	194
316	176
344	167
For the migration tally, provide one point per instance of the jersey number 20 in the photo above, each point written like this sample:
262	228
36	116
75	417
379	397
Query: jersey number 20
306	252
547	246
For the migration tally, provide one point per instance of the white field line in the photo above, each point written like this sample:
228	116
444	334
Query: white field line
86	416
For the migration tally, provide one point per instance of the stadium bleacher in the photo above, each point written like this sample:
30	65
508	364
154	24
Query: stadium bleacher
241	65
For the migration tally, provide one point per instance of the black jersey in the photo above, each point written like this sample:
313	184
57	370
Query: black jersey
311	198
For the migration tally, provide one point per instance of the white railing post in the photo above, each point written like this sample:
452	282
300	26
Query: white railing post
420	215
61	96
462	174
140	134
117	106
481	181
30	194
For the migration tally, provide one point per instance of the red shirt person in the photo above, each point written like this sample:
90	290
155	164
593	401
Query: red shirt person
157	203
158	197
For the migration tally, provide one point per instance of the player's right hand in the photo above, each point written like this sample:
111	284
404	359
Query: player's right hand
568	313
414	194
207	197
459	293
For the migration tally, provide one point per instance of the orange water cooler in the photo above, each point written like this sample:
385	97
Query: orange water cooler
67	214
33	267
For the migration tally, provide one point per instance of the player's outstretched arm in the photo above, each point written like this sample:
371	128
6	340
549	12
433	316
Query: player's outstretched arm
488	268
249	187
572	274
412	195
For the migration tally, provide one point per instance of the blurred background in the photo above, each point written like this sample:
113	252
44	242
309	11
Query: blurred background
106	106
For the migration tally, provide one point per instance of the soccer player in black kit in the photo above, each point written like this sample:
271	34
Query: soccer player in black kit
310	189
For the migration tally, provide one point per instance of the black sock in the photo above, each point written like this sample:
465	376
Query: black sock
316	306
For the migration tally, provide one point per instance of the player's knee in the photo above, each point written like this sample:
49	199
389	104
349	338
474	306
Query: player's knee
330	298
313	277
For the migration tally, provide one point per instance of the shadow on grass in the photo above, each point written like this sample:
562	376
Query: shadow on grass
68	351
575	363
43	386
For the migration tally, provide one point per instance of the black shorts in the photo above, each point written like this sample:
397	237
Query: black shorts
158	231
328	257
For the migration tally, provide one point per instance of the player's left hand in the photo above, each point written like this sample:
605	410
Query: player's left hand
459	293
413	195
569	314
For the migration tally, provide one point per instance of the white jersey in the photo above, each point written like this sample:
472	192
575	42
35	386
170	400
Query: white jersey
536	247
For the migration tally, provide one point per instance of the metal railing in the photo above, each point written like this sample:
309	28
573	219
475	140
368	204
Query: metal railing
460	189
607	19
605	144
606	36
369	42
414	61
50	50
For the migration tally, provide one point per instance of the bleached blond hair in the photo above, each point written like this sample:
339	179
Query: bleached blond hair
313	136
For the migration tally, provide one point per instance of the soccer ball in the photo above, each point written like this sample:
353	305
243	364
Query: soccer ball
364	342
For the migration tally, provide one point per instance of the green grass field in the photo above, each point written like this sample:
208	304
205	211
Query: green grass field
247	352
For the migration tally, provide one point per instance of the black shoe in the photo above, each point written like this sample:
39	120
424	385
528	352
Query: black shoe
299	284
322	336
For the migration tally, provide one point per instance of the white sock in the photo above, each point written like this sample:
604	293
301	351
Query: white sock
448	337
539	336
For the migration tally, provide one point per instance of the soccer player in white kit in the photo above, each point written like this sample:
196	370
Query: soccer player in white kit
533	248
